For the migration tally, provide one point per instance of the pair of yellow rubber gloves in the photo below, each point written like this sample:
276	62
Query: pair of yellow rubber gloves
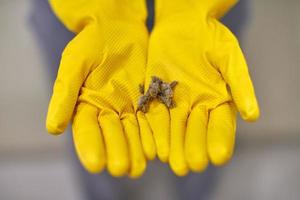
97	86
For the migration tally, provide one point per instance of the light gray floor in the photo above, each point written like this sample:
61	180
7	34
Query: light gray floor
266	166
38	177
266	172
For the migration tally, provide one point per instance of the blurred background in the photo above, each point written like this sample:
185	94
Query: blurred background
35	165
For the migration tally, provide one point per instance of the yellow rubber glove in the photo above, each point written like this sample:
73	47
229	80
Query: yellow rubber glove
189	45
97	84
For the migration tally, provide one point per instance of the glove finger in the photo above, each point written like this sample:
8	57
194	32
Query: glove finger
159	121
233	67
116	144
221	133
146	137
137	158
74	67
178	127
195	139
88	138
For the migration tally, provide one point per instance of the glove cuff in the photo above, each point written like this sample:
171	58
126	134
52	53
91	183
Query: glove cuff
76	14
218	8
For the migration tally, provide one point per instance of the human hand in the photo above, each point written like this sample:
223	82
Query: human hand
97	85
189	45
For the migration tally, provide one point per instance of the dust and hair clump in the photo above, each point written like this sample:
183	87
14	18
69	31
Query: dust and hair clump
158	89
